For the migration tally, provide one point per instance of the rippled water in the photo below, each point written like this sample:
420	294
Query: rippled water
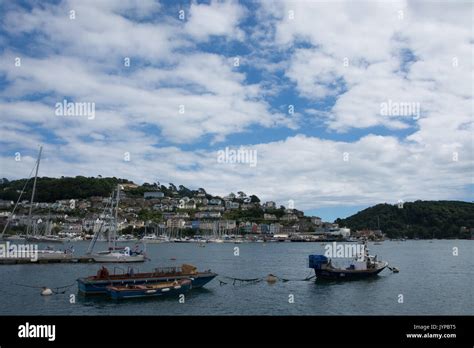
432	281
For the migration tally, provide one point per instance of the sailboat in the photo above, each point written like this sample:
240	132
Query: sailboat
114	253
47	237
43	254
153	238
216	235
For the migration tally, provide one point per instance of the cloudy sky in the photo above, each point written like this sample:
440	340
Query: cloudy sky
304	84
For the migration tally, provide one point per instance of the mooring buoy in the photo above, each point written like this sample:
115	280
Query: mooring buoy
46	291
271	279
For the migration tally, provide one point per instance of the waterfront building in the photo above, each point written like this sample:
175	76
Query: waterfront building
227	224
264	228
205	225
274	228
288	229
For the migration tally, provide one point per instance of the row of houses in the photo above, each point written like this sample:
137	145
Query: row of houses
229	226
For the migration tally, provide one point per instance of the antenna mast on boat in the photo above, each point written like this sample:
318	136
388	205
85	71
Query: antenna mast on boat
28	227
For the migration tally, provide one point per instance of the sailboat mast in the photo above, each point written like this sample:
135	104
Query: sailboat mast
116	217
34	190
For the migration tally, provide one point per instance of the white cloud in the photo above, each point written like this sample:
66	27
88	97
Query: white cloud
219	18
89	67
137	108
372	37
308	170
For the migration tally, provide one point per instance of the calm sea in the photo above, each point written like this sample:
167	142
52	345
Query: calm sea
431	280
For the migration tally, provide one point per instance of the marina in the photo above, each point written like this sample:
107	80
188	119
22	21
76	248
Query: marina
47	259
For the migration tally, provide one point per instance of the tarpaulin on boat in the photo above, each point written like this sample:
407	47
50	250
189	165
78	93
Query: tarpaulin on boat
188	269
317	260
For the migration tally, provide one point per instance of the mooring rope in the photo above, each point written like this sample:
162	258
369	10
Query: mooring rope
393	269
55	289
251	280
308	277
269	278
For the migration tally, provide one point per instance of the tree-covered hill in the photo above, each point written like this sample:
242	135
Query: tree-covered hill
419	219
81	187
53	189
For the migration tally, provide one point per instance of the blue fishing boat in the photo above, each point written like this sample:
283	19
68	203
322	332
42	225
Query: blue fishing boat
149	290
97	284
364	266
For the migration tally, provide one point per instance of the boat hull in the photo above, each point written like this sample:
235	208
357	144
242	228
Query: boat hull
118	258
99	287
339	274
43	240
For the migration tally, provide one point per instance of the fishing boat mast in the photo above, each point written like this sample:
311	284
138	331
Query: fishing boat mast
28	227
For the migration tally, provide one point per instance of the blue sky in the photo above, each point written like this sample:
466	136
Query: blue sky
335	64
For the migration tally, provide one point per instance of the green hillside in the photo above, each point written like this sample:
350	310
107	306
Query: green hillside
419	219
53	189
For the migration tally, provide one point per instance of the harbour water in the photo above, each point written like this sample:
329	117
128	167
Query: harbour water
432	280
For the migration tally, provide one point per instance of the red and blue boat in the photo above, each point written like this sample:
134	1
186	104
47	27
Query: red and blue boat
97	284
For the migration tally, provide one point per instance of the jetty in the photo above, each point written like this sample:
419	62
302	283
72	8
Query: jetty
23	261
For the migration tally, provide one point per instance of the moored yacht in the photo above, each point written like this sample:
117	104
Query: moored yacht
114	254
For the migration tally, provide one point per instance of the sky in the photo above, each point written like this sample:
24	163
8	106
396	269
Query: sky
338	105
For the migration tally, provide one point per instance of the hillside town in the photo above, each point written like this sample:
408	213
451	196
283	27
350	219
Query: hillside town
159	214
